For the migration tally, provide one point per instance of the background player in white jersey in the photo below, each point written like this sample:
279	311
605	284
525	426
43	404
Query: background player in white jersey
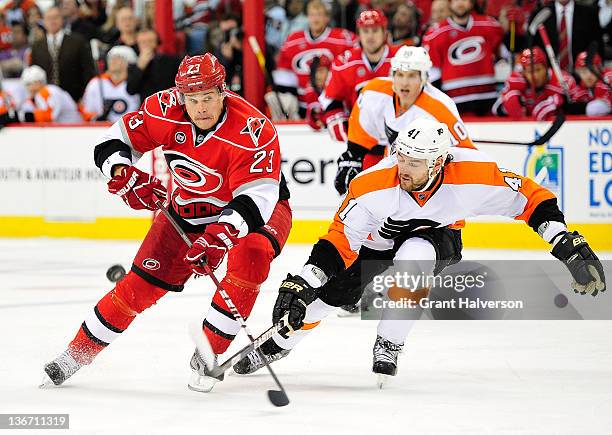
397	214
387	105
106	97
46	103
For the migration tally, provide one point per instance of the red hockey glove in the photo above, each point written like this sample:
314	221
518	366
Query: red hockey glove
211	247
313	116
335	120
138	189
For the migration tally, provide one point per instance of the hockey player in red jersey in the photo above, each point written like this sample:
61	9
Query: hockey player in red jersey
463	49
230	198
595	85
351	71
517	98
292	74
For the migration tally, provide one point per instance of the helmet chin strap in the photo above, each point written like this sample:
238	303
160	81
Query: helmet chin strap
430	180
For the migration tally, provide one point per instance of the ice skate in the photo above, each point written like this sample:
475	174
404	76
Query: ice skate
59	370
253	361
385	359
200	380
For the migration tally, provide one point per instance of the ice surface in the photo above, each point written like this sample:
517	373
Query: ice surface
470	377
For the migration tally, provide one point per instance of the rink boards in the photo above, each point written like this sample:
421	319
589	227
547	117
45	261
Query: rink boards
51	187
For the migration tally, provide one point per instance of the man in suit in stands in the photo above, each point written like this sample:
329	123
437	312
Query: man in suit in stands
65	58
570	28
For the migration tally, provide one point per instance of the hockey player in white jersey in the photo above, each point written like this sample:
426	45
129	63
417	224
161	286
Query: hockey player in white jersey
46	103
387	105
399	211
106	97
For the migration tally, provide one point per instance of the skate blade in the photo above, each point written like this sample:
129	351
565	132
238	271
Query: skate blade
46	383
201	384
382	380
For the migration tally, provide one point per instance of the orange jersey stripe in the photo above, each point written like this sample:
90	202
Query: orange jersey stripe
488	173
356	133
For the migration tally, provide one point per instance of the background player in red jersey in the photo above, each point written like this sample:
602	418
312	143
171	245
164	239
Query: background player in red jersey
351	71
292	74
224	157
595	85
518	99
463	49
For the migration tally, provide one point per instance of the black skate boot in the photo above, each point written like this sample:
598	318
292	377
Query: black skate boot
200	379
385	359
253	361
60	369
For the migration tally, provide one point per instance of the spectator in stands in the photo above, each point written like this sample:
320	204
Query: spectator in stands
47	103
74	23
106	97
229	52
13	60
296	18
595	85
7	108
292	75
463	50
17	10
94	11
5	33
66	59
534	91
152	72
345	13
571	28
125	34
35	25
439	12
605	22
405	25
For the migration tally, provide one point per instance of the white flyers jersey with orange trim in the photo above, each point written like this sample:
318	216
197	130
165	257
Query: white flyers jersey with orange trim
53	104
377	210
376	118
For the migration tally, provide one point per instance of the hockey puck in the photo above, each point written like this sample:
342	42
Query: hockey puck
115	273
561	300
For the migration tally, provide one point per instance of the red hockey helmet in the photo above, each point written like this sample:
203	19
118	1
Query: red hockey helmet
372	18
539	58
581	60
198	73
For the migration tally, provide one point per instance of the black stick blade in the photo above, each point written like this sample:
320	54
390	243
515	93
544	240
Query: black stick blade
278	398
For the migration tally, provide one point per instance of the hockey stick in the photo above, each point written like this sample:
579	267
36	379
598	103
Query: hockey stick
554	127
261	60
242	353
277	397
537	25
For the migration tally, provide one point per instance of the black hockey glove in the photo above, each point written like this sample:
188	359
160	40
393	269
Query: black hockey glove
294	295
350	164
586	269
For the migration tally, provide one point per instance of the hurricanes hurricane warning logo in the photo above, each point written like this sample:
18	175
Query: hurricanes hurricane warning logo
254	127
166	100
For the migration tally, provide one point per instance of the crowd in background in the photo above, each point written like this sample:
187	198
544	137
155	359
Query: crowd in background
74	60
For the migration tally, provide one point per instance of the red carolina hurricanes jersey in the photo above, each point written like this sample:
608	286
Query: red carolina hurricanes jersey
296	54
599	92
517	93
241	156
465	56
350	72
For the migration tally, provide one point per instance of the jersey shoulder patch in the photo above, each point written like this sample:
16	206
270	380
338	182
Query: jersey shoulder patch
246	127
165	104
